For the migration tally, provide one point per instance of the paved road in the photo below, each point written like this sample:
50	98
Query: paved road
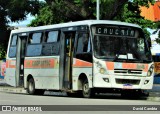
24	99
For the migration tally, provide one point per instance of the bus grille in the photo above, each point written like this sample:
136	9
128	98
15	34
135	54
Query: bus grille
127	81
128	71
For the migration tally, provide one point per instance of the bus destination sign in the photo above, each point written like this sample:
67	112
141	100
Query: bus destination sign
115	31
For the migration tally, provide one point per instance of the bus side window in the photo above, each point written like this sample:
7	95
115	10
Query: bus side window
51	43
83	50
34	47
52	36
13	46
35	38
83	44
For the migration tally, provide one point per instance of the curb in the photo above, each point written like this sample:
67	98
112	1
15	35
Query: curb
156	99
12	90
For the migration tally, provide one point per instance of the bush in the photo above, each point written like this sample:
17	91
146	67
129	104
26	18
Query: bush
2	52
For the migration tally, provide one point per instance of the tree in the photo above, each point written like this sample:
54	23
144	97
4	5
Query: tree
75	10
57	11
13	11
131	13
2	52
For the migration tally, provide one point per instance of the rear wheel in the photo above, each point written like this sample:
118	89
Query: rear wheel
86	91
31	87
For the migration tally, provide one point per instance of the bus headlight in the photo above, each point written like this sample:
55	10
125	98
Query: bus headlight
102	70
150	71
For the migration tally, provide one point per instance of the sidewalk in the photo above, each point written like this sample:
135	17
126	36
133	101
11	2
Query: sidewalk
7	88
156	88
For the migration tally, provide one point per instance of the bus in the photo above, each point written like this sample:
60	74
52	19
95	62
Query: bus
85	57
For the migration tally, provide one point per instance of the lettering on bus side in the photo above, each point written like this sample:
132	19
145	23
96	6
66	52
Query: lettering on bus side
42	63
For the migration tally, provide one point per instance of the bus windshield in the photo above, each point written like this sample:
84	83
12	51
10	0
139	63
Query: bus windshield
120	44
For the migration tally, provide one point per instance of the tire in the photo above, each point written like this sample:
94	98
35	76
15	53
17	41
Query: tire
86	91
31	87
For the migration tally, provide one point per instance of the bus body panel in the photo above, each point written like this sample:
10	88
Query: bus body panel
45	72
119	75
10	72
81	67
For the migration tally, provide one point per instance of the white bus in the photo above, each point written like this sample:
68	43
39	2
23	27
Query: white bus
87	57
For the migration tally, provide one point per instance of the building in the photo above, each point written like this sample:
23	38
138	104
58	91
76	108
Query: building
152	13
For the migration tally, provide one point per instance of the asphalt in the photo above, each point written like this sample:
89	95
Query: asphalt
154	94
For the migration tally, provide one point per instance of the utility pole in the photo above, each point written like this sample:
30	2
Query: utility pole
98	11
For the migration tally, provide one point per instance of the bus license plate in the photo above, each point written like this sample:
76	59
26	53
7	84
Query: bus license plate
127	86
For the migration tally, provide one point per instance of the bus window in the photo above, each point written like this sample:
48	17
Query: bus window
83	43
52	36
14	40
51	44
35	38
83	51
34	47
13	47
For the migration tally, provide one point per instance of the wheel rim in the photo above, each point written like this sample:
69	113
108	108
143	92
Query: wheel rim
86	89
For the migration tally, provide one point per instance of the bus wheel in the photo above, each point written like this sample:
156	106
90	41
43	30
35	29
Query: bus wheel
86	91
31	87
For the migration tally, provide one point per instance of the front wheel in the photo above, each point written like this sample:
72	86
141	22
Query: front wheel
86	91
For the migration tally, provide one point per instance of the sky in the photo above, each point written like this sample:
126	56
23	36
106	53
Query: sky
23	23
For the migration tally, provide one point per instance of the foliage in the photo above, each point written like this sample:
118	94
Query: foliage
157	24
2	51
131	13
76	10
13	11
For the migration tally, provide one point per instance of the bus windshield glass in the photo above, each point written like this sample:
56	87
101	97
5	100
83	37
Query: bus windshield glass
119	43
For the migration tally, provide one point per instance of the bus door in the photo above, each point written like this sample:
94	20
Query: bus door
66	59
20	60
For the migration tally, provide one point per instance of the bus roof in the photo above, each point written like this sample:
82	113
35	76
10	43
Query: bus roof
71	24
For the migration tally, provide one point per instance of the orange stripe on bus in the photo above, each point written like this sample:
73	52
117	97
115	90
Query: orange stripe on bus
110	65
7	64
39	63
81	63
11	64
143	67
129	66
